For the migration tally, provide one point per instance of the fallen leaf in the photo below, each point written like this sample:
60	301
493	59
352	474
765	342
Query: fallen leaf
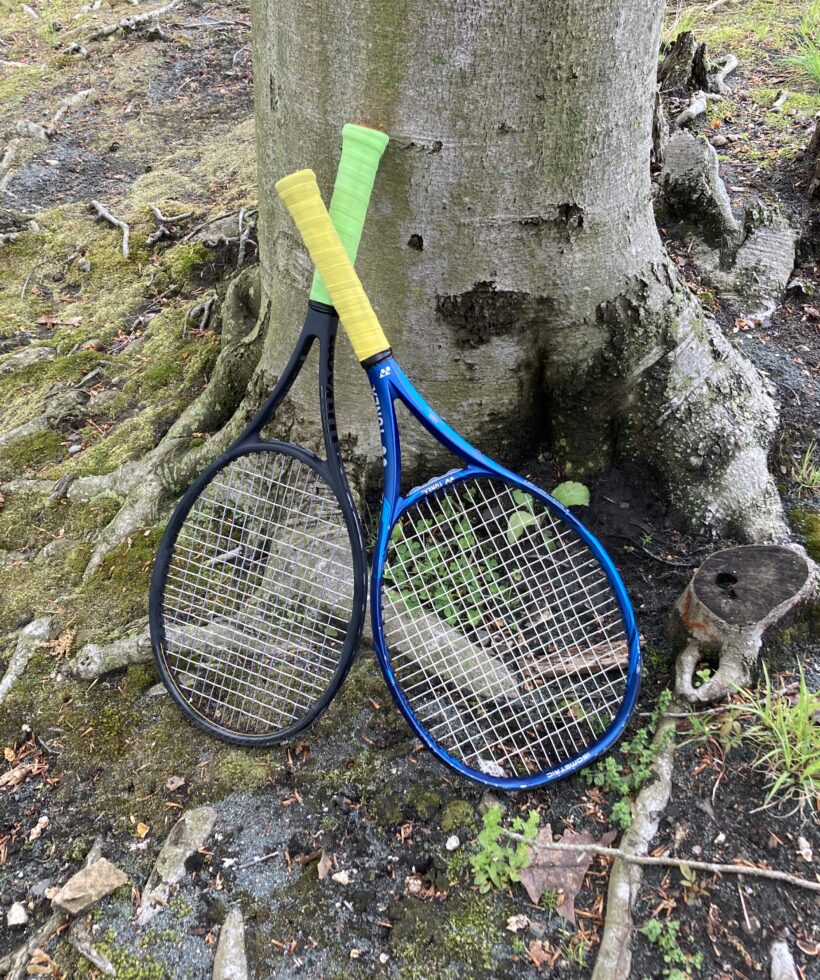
39	827
342	877
9	754
540	953
41	964
516	923
61	647
142	830
560	871
325	864
174	783
805	848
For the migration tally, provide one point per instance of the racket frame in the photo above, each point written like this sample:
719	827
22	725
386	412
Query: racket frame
320	326
389	384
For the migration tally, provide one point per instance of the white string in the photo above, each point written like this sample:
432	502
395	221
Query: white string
553	625
258	594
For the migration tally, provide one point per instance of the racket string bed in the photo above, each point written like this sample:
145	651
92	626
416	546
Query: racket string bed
548	670
258	594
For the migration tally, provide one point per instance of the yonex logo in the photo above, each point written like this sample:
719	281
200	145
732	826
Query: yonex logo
384	372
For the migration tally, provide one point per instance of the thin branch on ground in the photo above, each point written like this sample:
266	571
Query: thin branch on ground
70	102
202	310
168	220
103	212
129	23
7	162
667	862
213	221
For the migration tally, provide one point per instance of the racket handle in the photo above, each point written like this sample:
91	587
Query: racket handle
300	193
361	152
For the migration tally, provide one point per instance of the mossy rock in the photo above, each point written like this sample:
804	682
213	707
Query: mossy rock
457	815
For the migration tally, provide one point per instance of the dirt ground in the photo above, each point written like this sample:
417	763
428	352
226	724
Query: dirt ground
169	123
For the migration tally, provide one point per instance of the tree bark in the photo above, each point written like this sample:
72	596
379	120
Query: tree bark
511	249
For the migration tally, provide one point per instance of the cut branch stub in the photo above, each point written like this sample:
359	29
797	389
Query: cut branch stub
731	601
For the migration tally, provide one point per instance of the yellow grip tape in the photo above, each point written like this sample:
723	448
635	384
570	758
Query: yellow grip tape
300	193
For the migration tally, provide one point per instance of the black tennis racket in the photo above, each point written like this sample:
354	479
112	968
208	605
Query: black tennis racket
259	587
503	629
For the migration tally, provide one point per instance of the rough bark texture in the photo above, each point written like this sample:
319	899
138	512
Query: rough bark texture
511	248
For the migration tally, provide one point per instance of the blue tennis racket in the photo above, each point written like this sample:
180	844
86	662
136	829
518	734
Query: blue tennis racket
502	627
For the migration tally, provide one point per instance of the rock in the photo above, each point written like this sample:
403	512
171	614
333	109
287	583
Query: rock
25	358
84	265
783	967
88	886
719	140
17	917
230	962
453	843
187	836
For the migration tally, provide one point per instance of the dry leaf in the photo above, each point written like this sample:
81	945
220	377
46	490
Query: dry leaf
805	848
174	783
61	647
516	923
560	871
540	953
41	964
40	826
9	754
325	864
142	829
342	877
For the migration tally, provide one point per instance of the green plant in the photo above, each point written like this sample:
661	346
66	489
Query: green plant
519	947
693	890
786	738
497	864
664	935
625	772
807	472
683	20
807	58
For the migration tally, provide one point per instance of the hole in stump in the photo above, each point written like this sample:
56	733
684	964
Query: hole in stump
725	580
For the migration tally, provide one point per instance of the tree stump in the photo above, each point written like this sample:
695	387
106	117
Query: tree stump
730	602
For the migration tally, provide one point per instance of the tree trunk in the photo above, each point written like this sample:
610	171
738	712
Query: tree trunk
511	249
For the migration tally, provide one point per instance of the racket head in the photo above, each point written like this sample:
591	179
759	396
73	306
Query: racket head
519	714
258	593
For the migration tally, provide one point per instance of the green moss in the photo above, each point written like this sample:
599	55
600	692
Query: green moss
238	770
181	260
128	965
31	453
30	520
808	522
456	815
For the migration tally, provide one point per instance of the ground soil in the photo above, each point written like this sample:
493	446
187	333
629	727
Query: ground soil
170	124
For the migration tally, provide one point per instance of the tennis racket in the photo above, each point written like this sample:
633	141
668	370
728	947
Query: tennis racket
502	627
259	587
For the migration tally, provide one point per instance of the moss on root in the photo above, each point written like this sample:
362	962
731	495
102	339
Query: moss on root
808	523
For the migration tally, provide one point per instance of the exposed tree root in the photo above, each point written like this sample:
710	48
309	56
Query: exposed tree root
103	212
28	640
615	953
14	965
95	660
130	23
149	484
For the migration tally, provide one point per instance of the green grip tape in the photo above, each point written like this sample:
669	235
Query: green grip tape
361	152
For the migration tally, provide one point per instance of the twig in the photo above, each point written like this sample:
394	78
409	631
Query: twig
203	311
70	102
715	4
213	221
103	212
170	220
28	277
257	860
7	162
129	23
664	862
